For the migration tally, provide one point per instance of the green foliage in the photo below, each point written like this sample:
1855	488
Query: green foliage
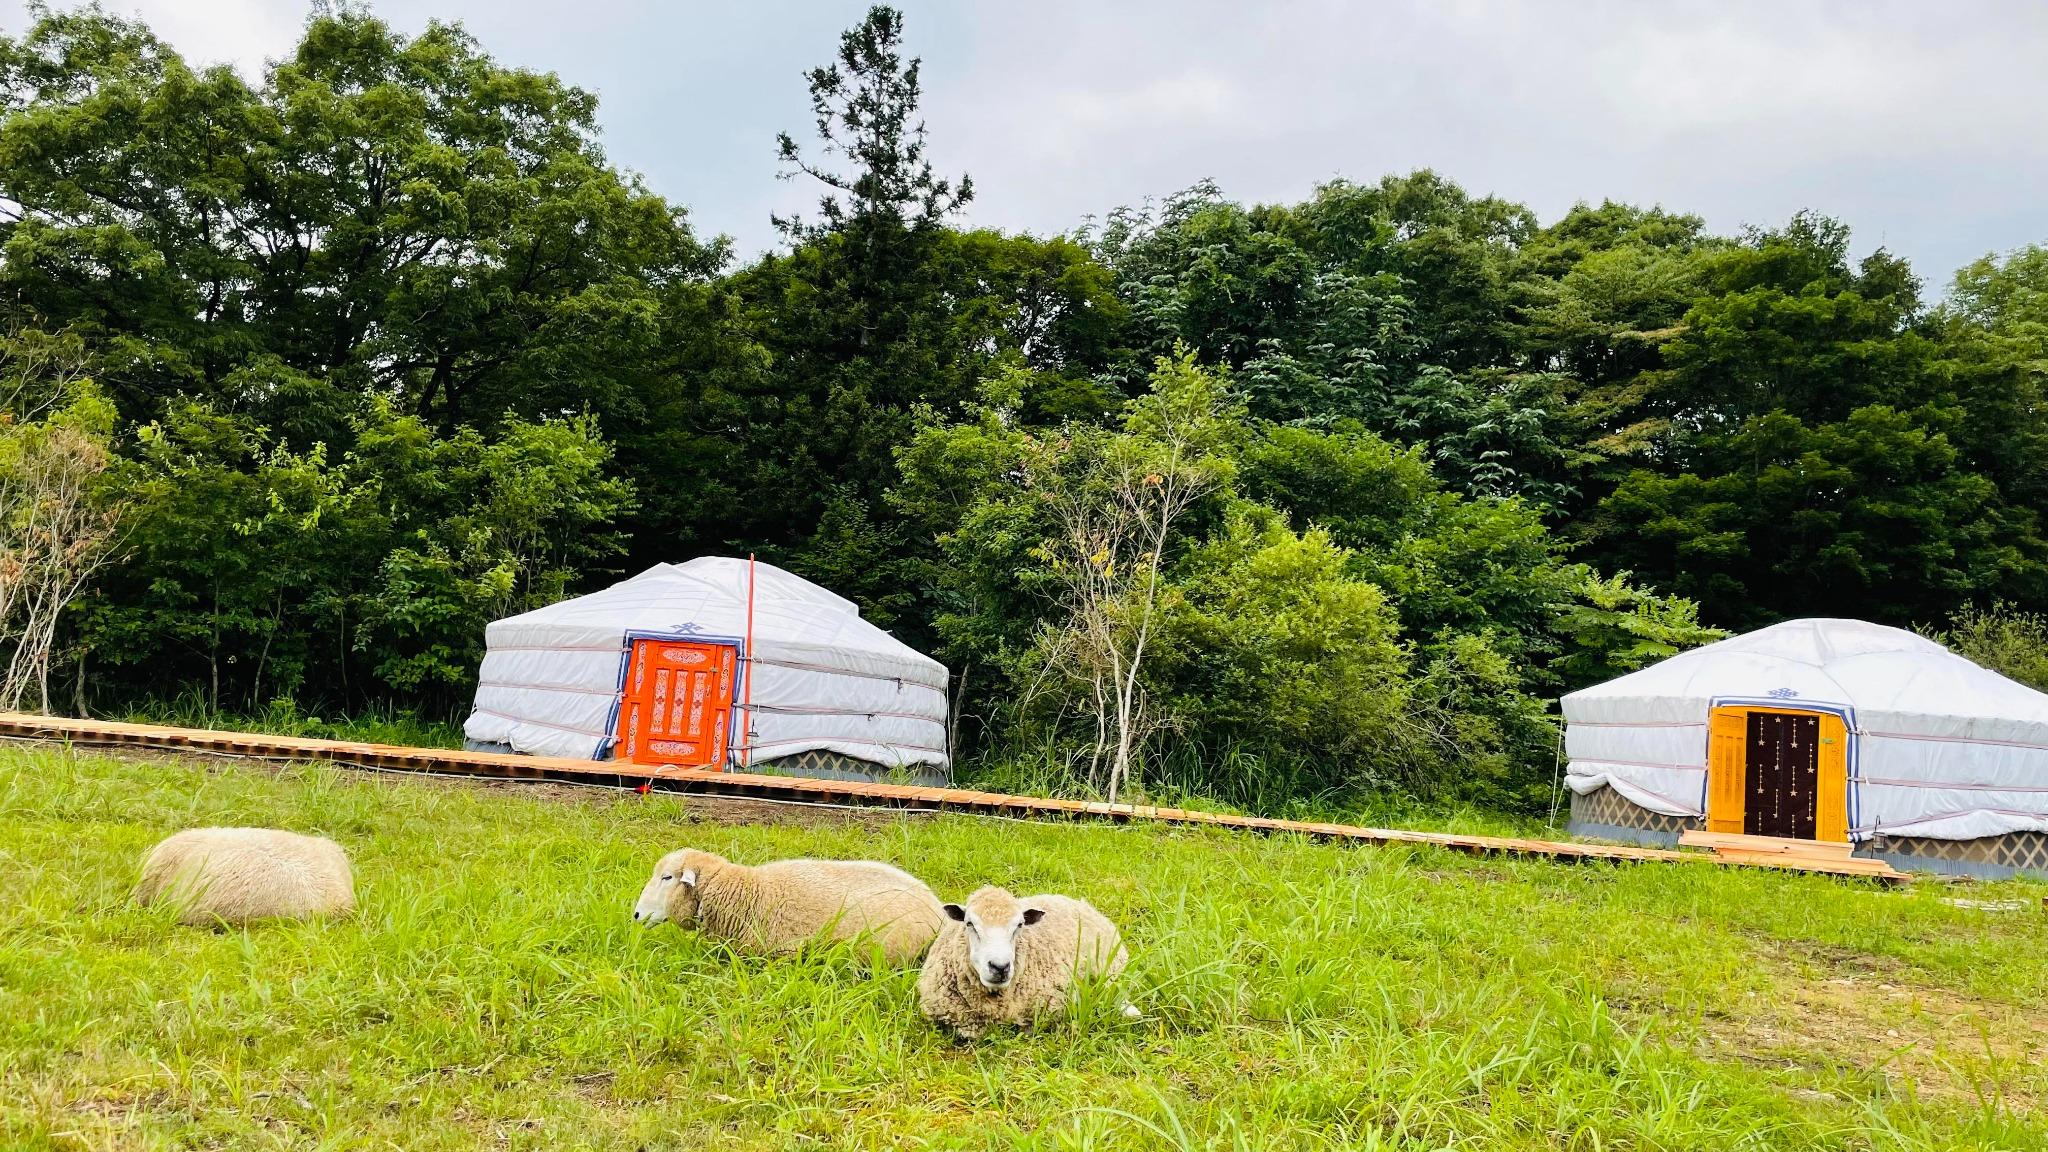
863	103
403	215
1873	516
2003	638
1385	305
1994	354
257	570
1333	615
1819	461
1275	649
1618	628
800	375
1763	425
1462	567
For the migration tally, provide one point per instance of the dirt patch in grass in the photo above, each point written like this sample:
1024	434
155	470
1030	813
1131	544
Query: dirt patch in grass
1851	1010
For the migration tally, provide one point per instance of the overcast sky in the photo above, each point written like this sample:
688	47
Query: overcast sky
1923	125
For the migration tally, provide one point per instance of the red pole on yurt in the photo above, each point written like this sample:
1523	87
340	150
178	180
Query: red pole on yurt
747	691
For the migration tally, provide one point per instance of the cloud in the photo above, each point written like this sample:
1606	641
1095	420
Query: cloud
242	33
1918	124
1193	98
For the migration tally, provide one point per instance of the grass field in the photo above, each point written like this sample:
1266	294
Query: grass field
493	993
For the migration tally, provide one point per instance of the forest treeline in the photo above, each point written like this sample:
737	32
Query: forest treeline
308	377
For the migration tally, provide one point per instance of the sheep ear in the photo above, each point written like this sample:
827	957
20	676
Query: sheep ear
689	877
956	912
1033	915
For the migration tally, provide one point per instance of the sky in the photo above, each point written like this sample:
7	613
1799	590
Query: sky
1920	125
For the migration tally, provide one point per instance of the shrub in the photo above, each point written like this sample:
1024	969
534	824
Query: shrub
2002	638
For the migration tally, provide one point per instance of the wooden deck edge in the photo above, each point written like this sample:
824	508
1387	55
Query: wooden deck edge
799	789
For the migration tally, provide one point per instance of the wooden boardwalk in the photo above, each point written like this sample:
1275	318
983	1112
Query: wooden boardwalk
1797	855
797	789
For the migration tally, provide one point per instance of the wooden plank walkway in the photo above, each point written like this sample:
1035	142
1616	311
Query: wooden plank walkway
797	789
1780	852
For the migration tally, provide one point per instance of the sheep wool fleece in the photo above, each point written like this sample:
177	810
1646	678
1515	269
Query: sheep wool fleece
238	875
782	905
1072	940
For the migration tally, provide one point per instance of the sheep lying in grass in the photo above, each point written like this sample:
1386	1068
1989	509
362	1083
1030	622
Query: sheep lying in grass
1009	960
235	875
783	905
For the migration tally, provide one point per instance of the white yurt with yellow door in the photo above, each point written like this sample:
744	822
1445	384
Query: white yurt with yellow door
1832	730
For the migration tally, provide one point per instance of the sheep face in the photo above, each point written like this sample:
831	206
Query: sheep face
671	893
993	918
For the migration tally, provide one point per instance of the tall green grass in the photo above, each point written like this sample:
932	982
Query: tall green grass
285	717
1237	779
492	991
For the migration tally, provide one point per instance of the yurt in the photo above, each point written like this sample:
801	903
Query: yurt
714	663
1832	730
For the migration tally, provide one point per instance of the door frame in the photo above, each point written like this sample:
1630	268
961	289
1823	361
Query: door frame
1728	764
631	643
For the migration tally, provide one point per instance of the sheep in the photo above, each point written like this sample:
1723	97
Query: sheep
236	875
785	904
1008	960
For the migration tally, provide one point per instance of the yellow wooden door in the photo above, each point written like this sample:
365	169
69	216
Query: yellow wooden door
1726	732
1831	814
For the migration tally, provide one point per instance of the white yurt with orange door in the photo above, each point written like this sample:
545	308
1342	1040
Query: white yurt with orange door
715	662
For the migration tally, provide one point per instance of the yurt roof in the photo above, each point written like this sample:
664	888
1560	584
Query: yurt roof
794	620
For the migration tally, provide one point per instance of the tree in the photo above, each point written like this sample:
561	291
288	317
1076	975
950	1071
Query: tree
1786	324
1391	306
1818	454
1319	616
1274	648
864	103
258	571
876	308
1115	503
59	510
378	214
1993	354
366	314
1869	517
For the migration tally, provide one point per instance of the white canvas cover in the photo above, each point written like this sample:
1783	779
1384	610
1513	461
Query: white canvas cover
1938	746
823	677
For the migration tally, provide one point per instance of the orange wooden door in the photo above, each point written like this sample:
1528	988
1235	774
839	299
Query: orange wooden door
677	704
